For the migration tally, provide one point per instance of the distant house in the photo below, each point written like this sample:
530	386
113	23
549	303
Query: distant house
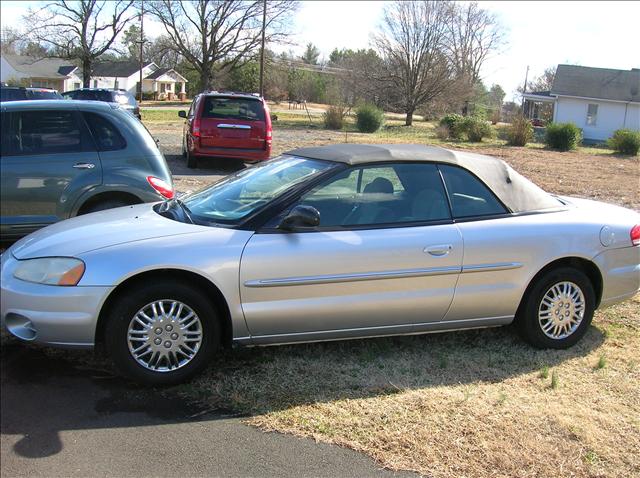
598	100
164	83
45	72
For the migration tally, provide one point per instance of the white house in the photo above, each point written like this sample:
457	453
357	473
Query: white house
164	83
44	72
598	100
61	75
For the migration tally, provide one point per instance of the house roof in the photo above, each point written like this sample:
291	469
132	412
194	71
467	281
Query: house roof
600	83
163	71
515	191
40	67
117	69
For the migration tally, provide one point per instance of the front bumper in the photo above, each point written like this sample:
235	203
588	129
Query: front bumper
51	315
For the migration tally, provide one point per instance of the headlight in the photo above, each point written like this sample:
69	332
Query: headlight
51	270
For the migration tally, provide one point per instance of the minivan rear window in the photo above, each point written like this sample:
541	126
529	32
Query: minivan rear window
218	107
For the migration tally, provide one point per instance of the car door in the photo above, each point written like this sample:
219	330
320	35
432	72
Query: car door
49	157
489	287
384	259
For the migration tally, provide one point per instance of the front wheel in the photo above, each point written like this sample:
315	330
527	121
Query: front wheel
162	334
558	309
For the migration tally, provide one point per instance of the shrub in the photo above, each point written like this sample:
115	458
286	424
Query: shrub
334	117
563	136
369	118
520	132
453	123
476	129
625	141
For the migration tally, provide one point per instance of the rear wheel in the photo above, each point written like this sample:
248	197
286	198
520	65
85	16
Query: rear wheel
558	309
162	334
106	204
192	160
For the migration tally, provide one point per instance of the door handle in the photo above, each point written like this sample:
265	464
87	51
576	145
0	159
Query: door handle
84	166
438	250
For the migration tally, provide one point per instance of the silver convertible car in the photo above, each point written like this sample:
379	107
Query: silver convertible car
322	243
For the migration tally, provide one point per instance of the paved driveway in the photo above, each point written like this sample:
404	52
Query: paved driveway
61	419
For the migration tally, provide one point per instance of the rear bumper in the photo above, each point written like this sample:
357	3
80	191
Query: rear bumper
620	274
51	315
233	153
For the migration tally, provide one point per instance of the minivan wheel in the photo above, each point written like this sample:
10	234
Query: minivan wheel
192	160
162	333
557	310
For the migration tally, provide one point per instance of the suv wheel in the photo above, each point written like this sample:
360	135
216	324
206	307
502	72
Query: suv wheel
162	333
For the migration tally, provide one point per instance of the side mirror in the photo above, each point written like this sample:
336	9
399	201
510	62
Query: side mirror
301	217
182	114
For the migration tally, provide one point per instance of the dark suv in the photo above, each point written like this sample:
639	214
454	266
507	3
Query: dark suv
226	125
20	93
121	97
60	159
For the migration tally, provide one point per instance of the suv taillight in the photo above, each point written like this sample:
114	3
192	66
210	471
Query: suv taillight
195	127
162	187
635	235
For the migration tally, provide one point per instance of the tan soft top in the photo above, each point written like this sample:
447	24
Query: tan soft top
515	191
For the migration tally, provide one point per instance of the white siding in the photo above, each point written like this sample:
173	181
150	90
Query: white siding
610	117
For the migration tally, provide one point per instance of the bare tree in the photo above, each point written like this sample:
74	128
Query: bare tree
219	34
474	33
80	30
544	82
412	44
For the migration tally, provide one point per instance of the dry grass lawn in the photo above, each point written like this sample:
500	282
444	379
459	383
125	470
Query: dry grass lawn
476	403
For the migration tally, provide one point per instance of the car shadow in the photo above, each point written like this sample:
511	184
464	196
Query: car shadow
47	391
206	166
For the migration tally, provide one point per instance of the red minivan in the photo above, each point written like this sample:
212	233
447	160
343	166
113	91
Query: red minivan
226	125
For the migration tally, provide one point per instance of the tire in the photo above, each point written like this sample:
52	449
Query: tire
547	319
156	340
192	160
104	205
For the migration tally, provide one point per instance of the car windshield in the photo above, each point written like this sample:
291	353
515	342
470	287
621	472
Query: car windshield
245	192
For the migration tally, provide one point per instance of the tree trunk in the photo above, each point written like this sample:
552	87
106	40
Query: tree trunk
86	72
206	79
409	119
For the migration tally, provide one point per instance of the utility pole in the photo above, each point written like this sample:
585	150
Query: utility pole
141	45
264	25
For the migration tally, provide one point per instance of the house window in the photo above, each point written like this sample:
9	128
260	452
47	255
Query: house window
95	83
163	87
592	114
76	86
116	84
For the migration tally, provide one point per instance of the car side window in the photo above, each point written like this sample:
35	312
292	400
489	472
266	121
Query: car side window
7	134
377	195
105	134
48	132
468	195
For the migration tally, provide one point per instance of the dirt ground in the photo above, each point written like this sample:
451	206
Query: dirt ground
595	176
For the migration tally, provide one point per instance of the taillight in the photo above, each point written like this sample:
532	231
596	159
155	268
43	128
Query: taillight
162	187
635	235
195	127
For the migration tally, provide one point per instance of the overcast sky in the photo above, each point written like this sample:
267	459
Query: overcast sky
538	34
